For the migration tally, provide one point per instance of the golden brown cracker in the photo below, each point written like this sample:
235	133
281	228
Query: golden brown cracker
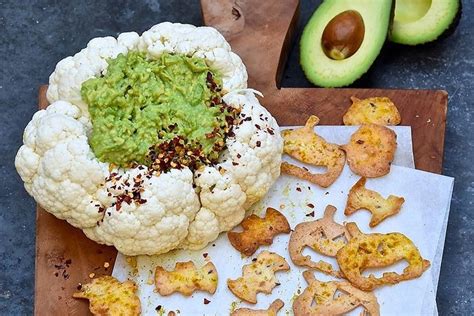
323	236
364	251
186	278
362	198
109	297
327	303
272	310
258	277
306	146
258	231
377	110
371	150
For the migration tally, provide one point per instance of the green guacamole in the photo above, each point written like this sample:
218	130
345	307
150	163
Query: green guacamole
142	105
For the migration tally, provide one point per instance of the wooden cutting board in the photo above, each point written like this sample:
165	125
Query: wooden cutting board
260	32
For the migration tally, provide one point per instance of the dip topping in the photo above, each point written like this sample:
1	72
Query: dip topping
164	113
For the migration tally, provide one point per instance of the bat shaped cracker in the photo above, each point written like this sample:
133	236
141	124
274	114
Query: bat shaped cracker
365	251
107	296
306	146
258	277
186	278
362	198
322	236
324	293
371	150
272	310
258	231
378	110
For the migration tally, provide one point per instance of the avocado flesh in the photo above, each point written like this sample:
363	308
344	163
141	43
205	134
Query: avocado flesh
326	72
422	21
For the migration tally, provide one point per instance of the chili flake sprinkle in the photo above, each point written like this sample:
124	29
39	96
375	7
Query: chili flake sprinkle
179	152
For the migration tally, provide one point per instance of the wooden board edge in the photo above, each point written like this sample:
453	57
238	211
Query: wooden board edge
42	103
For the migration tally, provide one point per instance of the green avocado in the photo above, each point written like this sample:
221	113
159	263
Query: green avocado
342	40
140	104
422	21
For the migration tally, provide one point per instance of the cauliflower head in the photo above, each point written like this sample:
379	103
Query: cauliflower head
136	209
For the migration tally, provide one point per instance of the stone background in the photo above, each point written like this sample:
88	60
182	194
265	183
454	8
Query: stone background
35	35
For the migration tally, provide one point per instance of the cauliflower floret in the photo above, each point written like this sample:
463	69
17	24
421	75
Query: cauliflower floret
204	42
254	153
136	210
66	80
222	196
157	225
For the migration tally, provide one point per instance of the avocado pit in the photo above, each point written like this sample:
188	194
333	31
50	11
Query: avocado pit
343	35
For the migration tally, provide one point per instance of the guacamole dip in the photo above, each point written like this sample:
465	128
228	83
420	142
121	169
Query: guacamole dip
144	111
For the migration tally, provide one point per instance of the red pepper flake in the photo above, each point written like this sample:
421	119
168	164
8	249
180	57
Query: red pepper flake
310	214
270	131
127	199
310	205
239	156
257	126
206	301
158	308
205	255
298	189
235	163
360	141
259	143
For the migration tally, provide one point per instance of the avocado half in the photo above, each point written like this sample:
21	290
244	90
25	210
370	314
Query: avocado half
421	21
328	72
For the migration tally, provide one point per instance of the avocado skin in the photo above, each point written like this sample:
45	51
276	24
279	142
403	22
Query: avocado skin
453	26
353	68
443	32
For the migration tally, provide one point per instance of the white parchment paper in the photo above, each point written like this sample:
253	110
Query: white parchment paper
423	218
